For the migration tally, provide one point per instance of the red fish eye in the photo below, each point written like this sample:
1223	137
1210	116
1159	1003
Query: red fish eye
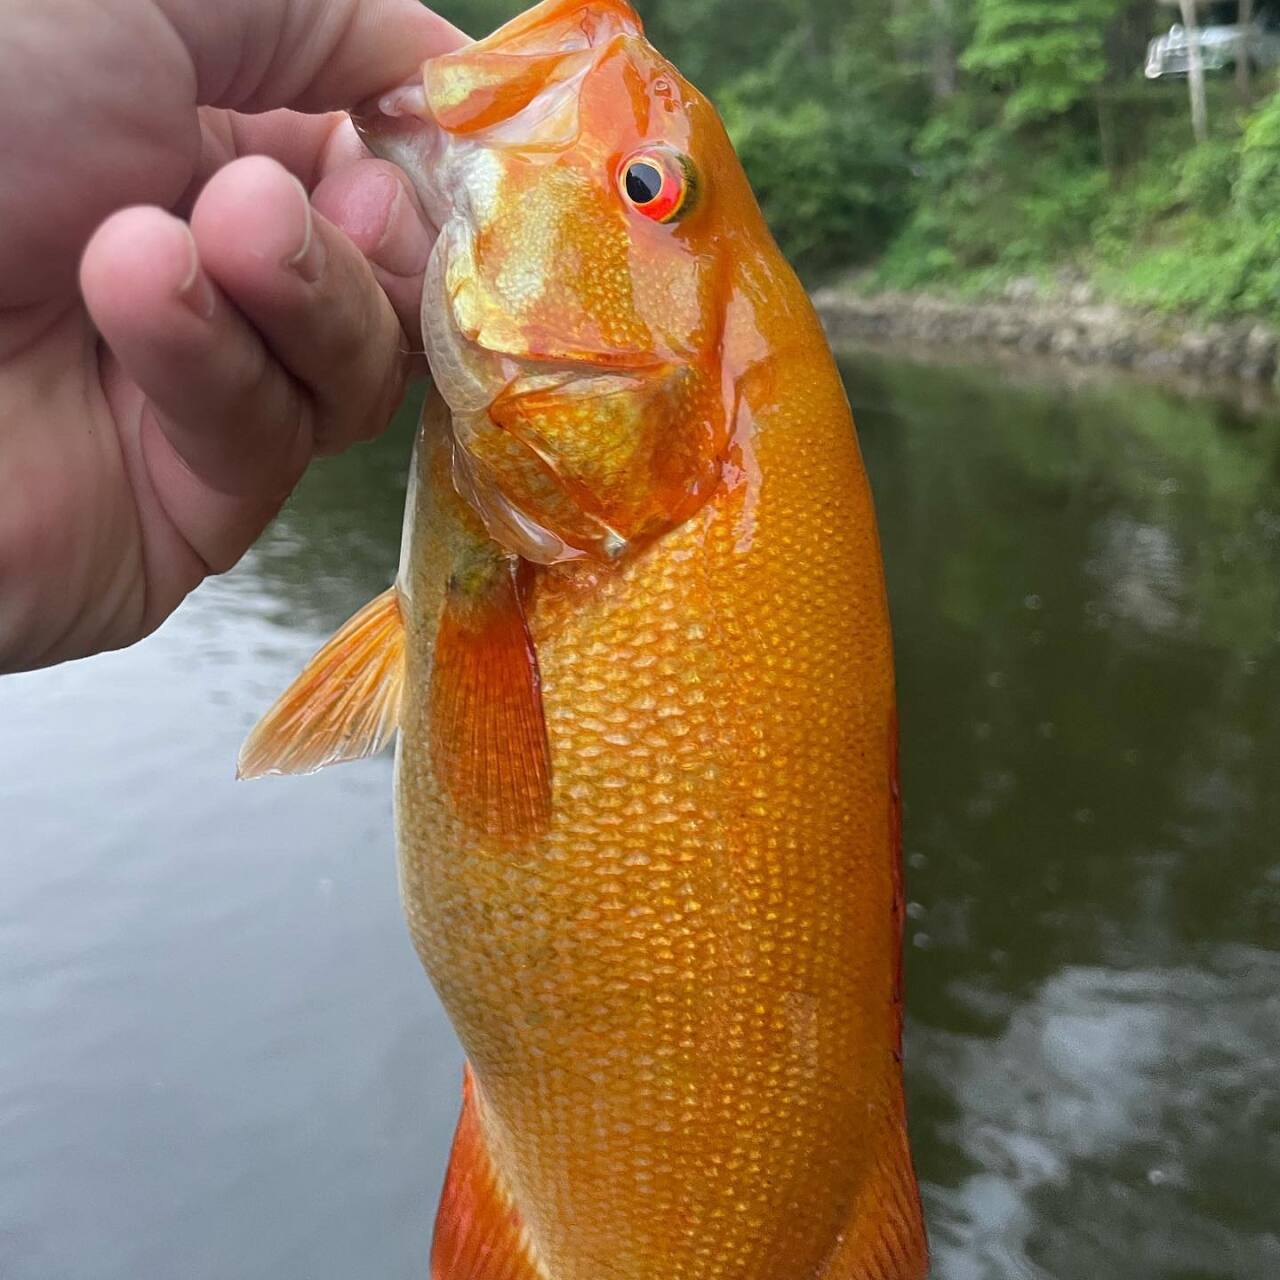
654	184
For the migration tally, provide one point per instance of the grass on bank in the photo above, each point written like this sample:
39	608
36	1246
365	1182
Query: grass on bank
1170	226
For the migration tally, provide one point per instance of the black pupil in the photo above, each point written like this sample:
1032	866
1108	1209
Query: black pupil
644	181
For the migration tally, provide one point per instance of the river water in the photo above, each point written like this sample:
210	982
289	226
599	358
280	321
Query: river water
219	1059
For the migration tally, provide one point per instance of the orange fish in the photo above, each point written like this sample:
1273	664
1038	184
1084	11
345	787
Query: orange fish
638	655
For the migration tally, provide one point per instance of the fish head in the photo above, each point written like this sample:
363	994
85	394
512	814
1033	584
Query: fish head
588	203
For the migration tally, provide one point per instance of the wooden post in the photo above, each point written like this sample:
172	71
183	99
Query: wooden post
1244	67
1195	71
1106	135
942	55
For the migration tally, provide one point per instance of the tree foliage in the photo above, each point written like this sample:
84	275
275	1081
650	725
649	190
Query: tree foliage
1041	57
1258	188
831	164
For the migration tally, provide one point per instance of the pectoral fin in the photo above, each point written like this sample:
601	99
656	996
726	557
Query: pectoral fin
488	738
344	705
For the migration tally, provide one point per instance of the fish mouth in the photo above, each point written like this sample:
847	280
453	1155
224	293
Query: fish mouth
397	126
536	56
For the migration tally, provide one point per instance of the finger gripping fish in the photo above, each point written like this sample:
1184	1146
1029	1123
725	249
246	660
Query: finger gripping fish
638	656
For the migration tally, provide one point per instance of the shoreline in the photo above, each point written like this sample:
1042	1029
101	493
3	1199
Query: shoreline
1072	329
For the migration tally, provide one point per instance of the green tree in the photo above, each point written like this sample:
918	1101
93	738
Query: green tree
1042	57
831	162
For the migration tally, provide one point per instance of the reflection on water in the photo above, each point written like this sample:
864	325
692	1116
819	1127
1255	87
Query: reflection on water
1086	595
218	1056
1100	1106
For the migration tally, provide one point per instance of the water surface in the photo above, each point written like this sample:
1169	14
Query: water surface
218	1056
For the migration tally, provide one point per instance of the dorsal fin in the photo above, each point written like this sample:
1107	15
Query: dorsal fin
344	705
488	737
885	1238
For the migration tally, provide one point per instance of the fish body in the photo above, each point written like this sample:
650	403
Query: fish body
639	658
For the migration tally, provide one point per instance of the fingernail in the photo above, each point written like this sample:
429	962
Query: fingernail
309	260
404	245
196	290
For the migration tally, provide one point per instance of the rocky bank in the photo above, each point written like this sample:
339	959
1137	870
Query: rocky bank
1072	324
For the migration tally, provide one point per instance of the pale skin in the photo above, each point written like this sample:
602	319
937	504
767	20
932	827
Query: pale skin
205	282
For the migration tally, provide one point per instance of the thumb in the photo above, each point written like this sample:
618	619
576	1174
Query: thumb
309	55
106	91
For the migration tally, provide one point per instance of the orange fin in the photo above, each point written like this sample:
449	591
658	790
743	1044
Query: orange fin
885	1236
479	1235
488	736
346	703
899	905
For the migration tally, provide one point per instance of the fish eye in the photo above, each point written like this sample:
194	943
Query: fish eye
656	183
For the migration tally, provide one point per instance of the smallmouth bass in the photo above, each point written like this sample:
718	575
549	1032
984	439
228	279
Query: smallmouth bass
639	661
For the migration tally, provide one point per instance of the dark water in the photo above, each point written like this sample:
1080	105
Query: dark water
218	1057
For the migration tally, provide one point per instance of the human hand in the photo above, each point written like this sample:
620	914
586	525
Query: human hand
158	406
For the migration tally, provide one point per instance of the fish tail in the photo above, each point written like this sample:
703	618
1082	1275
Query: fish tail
479	1233
885	1236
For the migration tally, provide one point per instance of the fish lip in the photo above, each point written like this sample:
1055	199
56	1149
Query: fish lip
406	102
396	126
